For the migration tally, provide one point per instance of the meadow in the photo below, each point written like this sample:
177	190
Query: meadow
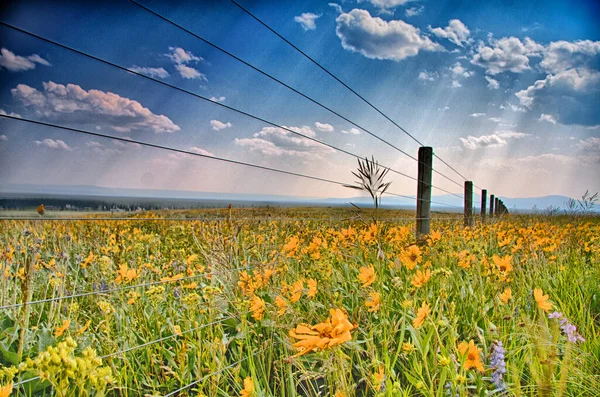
268	303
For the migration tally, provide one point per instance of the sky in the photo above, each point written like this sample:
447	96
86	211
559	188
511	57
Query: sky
506	92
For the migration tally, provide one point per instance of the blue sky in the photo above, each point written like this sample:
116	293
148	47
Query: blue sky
506	92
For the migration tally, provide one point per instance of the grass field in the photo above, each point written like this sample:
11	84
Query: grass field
269	304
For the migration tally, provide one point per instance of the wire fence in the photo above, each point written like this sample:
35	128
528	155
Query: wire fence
422	198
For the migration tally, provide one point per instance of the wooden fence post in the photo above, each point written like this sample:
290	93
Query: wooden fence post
468	203
492	201
497	206
483	204
424	174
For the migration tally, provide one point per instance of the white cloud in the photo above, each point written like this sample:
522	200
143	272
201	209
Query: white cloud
178	55
493	84
412	11
506	54
456	32
3	138
495	119
444	109
352	131
181	58
277	142
591	144
199	150
569	96
547	117
456	84
476	115
497	139
563	55
307	20
458	71
378	39
17	63
217	99
54	144
5	113
428	76
324	127
188	72
219	125
388	3
336	7
152	72
94	107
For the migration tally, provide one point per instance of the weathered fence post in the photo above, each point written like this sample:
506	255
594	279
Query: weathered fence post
497	206
424	173
468	203
492	202
483	204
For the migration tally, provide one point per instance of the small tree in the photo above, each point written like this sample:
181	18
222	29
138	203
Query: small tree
370	179
41	209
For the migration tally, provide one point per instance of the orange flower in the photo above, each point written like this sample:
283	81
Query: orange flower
61	330
291	247
257	307
367	275
126	274
312	287
84	328
422	314
296	292
472	355
542	300
411	257
171	279
6	389
504	264
281	305
334	331
246	283
373	302
506	296
421	278
248	388
379	378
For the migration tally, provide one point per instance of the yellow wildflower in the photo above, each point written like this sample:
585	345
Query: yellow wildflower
421	278
334	331
373	302
257	307
61	330
506	295
366	275
542	300
422	314
296	291
248	388
411	257
472	354
6	389
281	305
312	288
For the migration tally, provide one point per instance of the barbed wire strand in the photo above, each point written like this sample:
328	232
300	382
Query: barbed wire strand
155	13
341	82
209	219
156	146
128	287
140	346
198	96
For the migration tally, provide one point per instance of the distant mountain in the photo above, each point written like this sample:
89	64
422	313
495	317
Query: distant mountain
447	202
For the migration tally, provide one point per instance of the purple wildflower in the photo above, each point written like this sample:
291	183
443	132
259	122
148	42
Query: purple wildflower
498	363
567	328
